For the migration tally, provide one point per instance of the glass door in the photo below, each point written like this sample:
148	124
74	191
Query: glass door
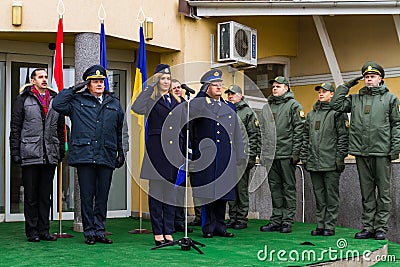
119	197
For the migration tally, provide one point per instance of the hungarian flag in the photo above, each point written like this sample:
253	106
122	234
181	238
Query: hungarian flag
103	54
58	76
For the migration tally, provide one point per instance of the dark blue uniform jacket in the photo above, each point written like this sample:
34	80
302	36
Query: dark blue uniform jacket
96	134
215	159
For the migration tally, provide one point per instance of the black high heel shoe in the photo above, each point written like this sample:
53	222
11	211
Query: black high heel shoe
161	242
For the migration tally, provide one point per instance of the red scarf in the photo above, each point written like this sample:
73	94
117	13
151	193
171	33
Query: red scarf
43	99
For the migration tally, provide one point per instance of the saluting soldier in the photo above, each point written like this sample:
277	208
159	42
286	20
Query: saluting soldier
158	103
288	116
216	147
96	146
374	140
325	144
239	209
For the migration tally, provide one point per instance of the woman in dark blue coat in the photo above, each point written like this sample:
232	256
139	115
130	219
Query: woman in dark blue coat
161	160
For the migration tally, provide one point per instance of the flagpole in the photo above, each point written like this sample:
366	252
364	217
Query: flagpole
141	149
139	85
58	80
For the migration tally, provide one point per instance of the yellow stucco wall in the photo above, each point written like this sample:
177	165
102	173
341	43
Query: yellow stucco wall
82	16
355	40
277	35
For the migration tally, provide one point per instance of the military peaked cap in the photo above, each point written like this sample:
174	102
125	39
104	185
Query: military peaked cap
94	72
372	68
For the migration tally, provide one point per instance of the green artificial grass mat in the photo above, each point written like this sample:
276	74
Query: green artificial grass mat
245	249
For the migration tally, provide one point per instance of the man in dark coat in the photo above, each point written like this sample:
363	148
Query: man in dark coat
96	146
37	143
216	149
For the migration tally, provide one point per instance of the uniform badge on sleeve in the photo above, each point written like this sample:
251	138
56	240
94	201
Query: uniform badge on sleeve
302	114
399	108
347	123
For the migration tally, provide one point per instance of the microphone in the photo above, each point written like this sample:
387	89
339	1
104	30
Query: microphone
187	88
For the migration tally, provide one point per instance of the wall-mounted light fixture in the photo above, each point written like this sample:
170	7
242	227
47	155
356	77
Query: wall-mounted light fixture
17	12
148	29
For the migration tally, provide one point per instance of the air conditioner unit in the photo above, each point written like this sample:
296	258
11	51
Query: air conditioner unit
237	43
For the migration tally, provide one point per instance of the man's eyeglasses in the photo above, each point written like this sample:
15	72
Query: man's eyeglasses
216	84
176	87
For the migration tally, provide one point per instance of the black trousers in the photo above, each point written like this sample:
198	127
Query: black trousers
94	182
162	214
214	217
38	184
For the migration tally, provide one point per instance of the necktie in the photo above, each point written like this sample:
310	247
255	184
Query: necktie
167	100
99	99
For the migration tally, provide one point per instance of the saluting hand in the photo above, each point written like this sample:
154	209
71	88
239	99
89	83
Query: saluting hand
79	86
353	82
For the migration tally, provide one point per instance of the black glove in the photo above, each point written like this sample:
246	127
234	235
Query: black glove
16	159
340	165
394	156
120	160
251	162
353	82
79	86
295	159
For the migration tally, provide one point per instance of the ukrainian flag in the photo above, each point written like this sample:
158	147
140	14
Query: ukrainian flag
139	85
141	69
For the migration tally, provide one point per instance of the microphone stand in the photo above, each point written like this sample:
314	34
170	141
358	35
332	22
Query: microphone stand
186	243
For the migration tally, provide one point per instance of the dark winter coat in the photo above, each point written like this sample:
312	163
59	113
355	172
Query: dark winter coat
36	138
213	127
96	134
164	138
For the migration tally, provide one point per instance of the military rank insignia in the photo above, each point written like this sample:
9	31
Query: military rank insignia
347	123
301	112
256	123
